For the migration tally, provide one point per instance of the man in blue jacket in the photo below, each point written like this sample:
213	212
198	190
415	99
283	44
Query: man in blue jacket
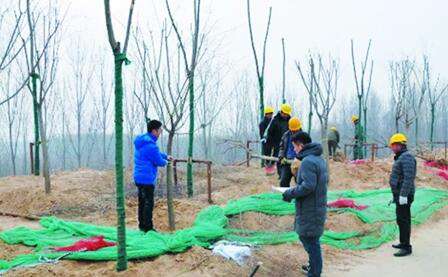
147	158
310	196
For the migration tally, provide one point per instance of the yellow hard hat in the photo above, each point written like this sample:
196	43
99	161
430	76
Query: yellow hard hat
333	128
398	138
355	118
294	124
286	108
268	110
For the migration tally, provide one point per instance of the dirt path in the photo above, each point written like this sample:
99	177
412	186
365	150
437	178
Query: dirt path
430	257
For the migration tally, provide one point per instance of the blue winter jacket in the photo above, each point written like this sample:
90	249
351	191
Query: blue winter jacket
147	157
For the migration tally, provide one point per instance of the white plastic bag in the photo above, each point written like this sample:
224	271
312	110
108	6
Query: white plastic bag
233	251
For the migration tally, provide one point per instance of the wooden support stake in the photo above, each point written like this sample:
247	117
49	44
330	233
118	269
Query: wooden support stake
32	158
209	182
248	153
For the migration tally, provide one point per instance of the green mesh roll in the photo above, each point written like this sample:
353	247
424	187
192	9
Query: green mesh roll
211	224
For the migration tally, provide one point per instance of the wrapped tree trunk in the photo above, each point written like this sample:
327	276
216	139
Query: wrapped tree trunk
121	213
119	58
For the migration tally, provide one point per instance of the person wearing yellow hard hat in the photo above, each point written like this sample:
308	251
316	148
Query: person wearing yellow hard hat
358	153
402	184
333	140
266	145
287	151
276	129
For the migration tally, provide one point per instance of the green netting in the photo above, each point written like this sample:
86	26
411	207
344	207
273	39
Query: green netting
211	224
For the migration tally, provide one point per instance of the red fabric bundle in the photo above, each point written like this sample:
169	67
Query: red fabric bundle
358	162
443	174
436	165
346	203
90	244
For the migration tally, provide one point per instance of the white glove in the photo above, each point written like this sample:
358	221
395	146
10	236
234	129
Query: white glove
402	200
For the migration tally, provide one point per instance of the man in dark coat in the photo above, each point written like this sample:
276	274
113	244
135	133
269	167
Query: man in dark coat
278	127
310	197
266	146
287	151
402	184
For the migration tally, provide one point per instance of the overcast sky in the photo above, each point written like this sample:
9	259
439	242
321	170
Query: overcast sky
398	28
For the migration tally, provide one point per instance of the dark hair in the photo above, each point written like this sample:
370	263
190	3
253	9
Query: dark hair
153	125
301	137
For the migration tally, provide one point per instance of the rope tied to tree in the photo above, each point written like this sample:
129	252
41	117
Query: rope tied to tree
121	57
35	75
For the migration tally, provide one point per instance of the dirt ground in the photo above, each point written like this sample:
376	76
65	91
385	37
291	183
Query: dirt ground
88	195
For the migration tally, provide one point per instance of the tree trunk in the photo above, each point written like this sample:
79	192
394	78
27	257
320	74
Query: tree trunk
45	156
284	72
169	184
433	119
397	125
36	125
190	136
78	126
104	147
11	143
416	131
64	146
261	91
121	213
204	128
310	114
365	130
323	135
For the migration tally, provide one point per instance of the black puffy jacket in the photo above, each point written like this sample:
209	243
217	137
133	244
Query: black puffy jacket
278	127
263	125
404	170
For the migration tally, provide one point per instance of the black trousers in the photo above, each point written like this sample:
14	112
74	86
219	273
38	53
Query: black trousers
286	176
145	207
267	151
403	213
332	146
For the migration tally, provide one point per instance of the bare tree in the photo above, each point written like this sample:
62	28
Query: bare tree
210	108
119	58
418	98
11	43
102	104
435	92
325	79
80	84
401	77
42	57
361	89
14	120
309	84
259	67
283	71
190	69
168	88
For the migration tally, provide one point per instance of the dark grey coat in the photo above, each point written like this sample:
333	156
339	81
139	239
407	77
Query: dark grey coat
402	178
311	192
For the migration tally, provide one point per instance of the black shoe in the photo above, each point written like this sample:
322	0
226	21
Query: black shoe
398	246
404	252
306	268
